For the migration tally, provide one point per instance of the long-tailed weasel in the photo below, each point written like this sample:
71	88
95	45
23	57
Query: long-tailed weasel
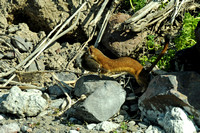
94	60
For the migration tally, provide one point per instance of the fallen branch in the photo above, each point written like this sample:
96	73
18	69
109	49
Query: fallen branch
65	108
19	84
151	14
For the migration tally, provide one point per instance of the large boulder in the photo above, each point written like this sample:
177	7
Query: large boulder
164	92
121	42
23	103
104	100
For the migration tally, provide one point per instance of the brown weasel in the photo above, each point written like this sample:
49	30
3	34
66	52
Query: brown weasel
94	60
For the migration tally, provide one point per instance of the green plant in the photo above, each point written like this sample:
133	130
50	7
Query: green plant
191	117
124	126
137	4
151	45
163	5
187	36
70	124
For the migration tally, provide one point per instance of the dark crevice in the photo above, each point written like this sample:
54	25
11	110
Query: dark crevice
21	16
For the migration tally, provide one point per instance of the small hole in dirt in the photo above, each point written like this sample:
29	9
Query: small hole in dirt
35	23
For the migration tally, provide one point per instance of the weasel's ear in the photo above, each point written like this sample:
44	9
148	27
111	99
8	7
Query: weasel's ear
90	49
92	46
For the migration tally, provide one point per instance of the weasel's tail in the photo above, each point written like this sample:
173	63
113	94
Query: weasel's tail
161	54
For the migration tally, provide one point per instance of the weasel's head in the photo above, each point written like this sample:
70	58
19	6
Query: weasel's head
95	53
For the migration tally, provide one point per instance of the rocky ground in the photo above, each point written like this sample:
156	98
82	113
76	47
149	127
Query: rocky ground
53	95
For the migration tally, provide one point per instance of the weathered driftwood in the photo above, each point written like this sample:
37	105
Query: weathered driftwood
152	13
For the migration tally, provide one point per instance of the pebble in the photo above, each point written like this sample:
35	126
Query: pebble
26	129
2	117
13	28
106	126
55	90
142	125
1	55
73	131
131	123
125	107
9	54
131	96
154	129
91	126
119	119
131	126
20	43
56	103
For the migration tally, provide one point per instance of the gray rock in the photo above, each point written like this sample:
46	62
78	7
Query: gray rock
13	28
87	85
40	65
174	89
10	128
106	126
131	126
118	119
176	121
125	107
23	103
142	125
66	76
32	67
91	126
118	44
103	103
73	131
55	91
131	123
9	54
3	21
1	55
2	117
131	96
36	65
26	129
20	43
56	103
154	129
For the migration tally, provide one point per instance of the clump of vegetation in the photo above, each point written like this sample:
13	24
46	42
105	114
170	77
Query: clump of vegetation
187	36
191	117
185	39
137	4
124	126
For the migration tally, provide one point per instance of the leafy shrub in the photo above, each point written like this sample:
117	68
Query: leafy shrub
187	36
137	4
185	39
